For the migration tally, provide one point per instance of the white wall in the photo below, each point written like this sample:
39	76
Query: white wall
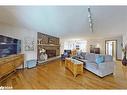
20	33
89	42
101	43
95	42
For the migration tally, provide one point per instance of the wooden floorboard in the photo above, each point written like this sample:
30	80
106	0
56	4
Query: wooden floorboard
54	75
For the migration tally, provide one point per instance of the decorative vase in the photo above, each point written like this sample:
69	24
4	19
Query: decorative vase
124	61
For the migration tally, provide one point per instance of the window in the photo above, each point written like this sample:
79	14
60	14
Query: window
73	44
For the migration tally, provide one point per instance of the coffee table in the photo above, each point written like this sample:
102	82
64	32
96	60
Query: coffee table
75	66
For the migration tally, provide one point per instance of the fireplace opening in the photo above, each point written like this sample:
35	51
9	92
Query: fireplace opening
51	53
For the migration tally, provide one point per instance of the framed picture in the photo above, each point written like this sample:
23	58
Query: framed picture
29	44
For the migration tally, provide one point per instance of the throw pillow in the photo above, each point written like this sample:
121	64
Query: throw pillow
99	59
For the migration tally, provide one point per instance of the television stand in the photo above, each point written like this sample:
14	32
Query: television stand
10	64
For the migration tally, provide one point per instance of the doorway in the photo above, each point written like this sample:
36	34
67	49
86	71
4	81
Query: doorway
111	48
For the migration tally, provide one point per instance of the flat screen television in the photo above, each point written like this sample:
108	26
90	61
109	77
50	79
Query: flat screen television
9	46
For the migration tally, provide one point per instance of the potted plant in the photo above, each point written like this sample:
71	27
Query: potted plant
124	61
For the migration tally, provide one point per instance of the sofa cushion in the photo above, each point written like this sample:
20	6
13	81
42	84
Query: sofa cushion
91	65
91	57
83	54
99	59
108	58
78	53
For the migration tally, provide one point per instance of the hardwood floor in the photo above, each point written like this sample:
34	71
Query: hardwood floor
54	75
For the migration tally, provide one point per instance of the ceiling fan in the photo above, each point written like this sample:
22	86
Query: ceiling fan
90	19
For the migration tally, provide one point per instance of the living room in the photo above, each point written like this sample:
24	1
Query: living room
45	32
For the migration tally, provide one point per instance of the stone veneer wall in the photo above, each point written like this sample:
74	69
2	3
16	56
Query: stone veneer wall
48	43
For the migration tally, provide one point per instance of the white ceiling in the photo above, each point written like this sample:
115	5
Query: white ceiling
67	21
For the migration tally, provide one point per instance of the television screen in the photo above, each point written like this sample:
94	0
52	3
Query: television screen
9	46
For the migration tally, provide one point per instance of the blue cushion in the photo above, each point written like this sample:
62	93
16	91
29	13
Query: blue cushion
99	59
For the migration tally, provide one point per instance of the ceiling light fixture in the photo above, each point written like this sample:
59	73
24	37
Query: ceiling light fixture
90	19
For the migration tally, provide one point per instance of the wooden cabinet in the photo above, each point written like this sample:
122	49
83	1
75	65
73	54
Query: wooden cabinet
10	63
19	60
6	68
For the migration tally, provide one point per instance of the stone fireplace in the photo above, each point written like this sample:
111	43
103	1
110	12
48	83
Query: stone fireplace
50	44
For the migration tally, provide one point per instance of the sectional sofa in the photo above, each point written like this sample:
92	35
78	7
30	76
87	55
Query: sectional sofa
101	68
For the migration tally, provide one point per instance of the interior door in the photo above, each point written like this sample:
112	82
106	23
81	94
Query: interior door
111	48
